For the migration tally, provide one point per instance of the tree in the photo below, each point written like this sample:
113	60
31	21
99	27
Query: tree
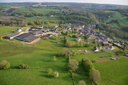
81	43
24	23
87	64
81	82
73	64
94	76
4	64
70	44
56	74
65	52
31	23
23	66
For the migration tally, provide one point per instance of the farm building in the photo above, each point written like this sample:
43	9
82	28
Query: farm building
35	32
18	30
12	36
78	39
27	37
39	31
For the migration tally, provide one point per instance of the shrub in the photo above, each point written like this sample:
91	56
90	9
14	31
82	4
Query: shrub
81	82
23	66
70	44
56	74
49	72
94	76
65	52
73	64
87	64
54	58
4	64
74	52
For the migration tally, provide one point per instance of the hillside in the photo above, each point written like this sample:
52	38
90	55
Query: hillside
63	44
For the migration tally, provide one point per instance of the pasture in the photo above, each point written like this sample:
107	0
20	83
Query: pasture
39	58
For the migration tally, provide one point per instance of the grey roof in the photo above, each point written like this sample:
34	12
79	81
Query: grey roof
12	35
35	32
28	37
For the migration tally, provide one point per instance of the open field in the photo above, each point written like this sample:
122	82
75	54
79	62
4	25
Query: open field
42	18
39	59
93	24
44	10
113	72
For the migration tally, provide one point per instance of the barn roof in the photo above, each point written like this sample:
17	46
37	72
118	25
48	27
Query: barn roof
12	35
28	37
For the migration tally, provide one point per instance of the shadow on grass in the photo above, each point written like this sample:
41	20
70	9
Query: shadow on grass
84	75
15	67
45	74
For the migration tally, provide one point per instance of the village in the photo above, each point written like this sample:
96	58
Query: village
103	43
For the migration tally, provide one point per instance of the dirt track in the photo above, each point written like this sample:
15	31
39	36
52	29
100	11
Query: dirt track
103	60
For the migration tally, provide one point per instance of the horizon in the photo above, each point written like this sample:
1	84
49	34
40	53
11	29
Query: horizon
114	2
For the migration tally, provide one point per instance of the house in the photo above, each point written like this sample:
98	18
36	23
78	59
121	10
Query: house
105	42
12	36
126	46
78	39
18	30
91	36
68	28
48	35
77	27
96	49
113	58
101	44
44	30
126	55
71	35
27	37
40	27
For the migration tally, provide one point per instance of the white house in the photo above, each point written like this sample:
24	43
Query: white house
78	39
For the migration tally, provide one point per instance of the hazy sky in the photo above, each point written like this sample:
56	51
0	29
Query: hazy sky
121	2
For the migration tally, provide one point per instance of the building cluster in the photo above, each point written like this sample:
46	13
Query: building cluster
29	35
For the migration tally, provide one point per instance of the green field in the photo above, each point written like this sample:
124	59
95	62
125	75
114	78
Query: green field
42	18
118	16
39	59
44	10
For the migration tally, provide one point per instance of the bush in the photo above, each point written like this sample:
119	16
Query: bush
23	66
65	52
81	82
49	72
4	64
73	64
87	64
70	44
56	74
54	58
94	76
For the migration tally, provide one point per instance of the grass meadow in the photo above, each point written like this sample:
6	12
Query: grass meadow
39	59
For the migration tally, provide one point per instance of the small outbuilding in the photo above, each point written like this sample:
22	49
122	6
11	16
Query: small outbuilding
78	39
18	30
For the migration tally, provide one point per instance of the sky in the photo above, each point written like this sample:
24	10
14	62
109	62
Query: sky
119	2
